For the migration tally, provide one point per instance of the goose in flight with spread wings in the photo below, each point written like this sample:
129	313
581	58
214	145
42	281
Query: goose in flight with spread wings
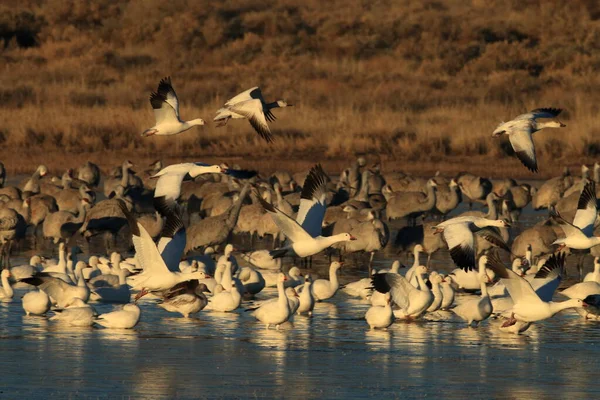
528	306
252	106
168	186
160	263
305	232
580	233
166	112
458	233
520	130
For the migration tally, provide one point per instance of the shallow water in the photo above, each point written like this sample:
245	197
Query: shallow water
332	354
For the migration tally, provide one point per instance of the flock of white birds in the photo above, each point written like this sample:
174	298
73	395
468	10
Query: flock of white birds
193	266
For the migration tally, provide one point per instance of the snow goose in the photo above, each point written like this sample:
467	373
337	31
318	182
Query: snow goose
594	276
583	290
324	289
275	313
438	296
125	318
6	291
528	306
61	293
185	298
476	188
156	275
362	288
36	302
593	306
580	233
76	313
304	233
252	106
448	293
412	301
458	233
226	301
307	298
166	112
113	294
476	310
380	317
252	280
520	130
263	260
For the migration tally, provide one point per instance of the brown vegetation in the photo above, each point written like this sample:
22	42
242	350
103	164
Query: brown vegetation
421	83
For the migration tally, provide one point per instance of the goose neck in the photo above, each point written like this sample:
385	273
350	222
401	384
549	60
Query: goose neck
8	290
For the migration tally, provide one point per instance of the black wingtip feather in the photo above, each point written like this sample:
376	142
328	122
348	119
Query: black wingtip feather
157	100
278	253
495	264
241	173
556	261
588	196
526	161
462	259
173	224
266	205
131	220
550	110
316	178
380	283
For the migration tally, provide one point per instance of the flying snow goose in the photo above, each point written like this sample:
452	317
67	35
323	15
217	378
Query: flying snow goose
185	298
252	106
528	306
476	310
312	201
580	233
380	317
412	301
458	233
76	313
166	112
125	318
36	302
303	244
168	186
156	275
520	130
275	313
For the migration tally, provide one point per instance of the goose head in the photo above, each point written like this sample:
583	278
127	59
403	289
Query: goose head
291	293
347	237
5	274
202	288
281	277
283	104
335	266
42	170
294	272
421	270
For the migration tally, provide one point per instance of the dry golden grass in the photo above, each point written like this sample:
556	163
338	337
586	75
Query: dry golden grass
418	85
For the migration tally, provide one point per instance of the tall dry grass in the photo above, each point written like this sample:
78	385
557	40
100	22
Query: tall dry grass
419	85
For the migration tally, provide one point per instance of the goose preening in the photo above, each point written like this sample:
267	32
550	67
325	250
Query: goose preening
185	298
61	293
166	112
458	233
75	313
275	313
380	317
125	318
36	302
521	129
580	233
252	106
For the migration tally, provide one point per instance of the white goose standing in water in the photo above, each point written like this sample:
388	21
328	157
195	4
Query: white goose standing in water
166	112
520	130
252	106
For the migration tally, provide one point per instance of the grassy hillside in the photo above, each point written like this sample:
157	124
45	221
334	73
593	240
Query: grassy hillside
419	84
